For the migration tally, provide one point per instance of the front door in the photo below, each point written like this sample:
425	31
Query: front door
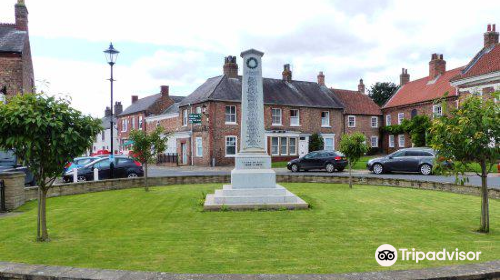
184	156
303	147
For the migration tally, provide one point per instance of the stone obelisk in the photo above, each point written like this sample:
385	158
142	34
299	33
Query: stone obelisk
253	181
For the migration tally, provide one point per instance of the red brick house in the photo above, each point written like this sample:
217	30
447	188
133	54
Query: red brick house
361	114
293	111
134	116
482	74
16	66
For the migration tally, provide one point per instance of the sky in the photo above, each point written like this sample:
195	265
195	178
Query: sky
183	43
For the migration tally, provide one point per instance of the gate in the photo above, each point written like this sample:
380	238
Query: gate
168	158
3	208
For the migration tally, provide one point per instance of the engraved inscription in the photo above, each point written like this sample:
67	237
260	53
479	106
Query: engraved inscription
252	141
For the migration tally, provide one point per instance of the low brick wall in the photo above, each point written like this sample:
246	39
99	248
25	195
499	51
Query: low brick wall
14	189
119	184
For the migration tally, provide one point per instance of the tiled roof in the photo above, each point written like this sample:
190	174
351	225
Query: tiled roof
424	89
356	103
276	92
486	61
145	103
106	122
11	39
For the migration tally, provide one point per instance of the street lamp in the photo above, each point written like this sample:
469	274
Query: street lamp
111	55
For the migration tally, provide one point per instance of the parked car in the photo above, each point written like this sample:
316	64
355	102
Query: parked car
327	160
124	168
8	163
79	162
417	160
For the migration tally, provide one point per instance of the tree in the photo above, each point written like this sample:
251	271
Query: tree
381	92
418	128
146	147
45	133
316	142
469	134
353	146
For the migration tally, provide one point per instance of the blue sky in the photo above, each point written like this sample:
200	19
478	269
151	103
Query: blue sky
182	43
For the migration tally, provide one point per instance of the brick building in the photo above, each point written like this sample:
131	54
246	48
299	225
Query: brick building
16	66
361	114
103	139
482	74
133	118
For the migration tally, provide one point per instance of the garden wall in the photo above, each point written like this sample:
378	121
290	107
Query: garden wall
118	184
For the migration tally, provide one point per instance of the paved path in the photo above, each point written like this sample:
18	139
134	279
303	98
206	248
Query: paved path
493	179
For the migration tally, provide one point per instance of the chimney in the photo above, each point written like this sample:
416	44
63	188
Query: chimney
164	91
491	36
404	78
107	112
437	65
230	67
118	108
287	73
134	98
321	78
361	86
21	16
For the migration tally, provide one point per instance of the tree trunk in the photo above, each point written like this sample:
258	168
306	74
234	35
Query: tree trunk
350	174
146	177
38	233
485	212
43	216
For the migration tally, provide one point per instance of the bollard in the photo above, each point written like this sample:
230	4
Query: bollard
75	175
96	174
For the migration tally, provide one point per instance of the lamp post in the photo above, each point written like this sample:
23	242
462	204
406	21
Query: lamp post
111	55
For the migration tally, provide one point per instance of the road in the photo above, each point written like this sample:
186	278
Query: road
493	179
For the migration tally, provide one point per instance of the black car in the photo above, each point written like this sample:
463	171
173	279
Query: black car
418	160
124	168
328	160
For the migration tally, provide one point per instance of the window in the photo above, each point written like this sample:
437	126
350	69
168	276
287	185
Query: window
231	114
401	140
140	122
184	117
374	122
401	117
414	113
103	135
199	147
325	119
198	111
388	120
391	141
275	146
294	117
374	141
284	146
124	125
276	116
231	147
437	110
351	121
292	146
329	143
133	123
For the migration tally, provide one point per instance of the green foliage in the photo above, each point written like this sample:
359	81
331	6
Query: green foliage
45	132
417	127
381	92
146	147
316	142
353	146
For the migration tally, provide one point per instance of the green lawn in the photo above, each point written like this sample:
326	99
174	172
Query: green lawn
166	230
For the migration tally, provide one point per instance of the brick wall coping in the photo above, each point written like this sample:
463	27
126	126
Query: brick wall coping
8	271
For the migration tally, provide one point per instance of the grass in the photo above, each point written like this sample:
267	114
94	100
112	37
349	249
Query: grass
166	230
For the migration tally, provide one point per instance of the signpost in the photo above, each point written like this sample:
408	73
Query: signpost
194	118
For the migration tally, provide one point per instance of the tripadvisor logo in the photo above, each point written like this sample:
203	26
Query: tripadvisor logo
387	255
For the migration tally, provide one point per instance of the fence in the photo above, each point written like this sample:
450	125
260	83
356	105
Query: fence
168	158
3	208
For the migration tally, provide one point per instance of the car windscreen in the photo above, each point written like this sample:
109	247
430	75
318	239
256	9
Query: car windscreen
84	161
7	158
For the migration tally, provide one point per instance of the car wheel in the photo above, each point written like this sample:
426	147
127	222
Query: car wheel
132	175
330	168
295	168
425	169
378	168
81	178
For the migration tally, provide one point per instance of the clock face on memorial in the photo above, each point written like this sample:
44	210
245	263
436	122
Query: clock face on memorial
252	63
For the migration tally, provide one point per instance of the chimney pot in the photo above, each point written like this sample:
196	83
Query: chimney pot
361	86
321	78
494	28
230	67
164	91
287	73
490	36
134	98
488	29
404	78
118	108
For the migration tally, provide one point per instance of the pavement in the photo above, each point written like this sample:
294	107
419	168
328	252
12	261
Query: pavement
474	180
